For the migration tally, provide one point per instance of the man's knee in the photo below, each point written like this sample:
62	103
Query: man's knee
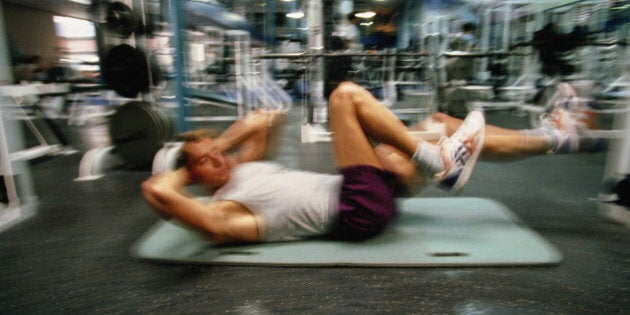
343	95
439	117
344	90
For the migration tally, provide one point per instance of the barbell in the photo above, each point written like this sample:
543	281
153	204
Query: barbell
389	54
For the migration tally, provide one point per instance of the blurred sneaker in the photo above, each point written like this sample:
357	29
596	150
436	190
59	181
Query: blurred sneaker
460	152
569	123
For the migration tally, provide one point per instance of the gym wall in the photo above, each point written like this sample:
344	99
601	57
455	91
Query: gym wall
30	31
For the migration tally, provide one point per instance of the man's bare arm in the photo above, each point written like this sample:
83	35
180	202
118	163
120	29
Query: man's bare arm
223	221
254	137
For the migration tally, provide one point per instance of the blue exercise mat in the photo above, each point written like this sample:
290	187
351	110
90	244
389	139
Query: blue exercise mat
428	232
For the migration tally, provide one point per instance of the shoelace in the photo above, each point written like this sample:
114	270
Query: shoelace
444	157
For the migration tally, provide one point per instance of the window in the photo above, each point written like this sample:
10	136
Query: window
68	27
77	45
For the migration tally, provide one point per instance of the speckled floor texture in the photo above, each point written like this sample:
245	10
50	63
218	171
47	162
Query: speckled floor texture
72	256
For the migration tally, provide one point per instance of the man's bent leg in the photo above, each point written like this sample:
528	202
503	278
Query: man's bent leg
366	202
356	117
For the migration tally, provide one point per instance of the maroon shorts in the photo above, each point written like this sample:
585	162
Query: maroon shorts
366	202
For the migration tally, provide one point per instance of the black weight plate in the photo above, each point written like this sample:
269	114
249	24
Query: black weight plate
153	114
162	122
168	126
121	20
134	134
126	71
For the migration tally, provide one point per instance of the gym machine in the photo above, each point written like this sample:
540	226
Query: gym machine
21	201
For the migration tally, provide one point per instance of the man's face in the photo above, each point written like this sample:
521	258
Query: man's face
206	165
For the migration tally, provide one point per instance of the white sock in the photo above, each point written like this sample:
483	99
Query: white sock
545	133
427	156
560	142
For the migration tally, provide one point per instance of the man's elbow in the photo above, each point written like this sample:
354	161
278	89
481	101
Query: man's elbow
149	189
153	192
152	195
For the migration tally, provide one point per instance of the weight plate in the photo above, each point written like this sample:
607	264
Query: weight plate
168	126
153	114
135	134
163	122
126	71
121	20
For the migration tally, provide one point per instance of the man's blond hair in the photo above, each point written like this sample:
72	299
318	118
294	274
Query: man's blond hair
194	136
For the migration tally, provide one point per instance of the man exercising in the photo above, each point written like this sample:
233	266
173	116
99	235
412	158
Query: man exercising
256	201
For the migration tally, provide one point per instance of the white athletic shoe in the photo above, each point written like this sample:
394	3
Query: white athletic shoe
580	111
569	121
563	129
460	152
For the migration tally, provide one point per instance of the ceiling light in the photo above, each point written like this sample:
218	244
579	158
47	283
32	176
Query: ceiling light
365	15
295	15
232	16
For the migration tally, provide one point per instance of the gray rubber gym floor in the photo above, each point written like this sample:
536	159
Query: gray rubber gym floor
72	257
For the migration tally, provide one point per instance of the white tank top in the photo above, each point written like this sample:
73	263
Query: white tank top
291	204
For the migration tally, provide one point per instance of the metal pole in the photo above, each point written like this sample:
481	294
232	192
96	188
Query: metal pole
314	10
270	22
485	37
618	159
507	12
16	173
178	25
6	73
